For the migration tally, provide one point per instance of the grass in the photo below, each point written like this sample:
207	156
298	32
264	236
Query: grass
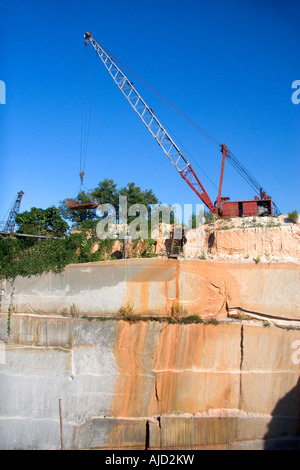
191	319
126	313
213	321
177	310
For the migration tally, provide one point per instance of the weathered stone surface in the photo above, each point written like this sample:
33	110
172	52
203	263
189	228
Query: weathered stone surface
128	381
161	287
279	242
111	433
147	384
247	237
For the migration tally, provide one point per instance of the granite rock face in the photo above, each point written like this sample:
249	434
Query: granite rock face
246	238
164	380
159	287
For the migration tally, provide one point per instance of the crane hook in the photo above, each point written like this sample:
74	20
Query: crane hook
87	36
81	174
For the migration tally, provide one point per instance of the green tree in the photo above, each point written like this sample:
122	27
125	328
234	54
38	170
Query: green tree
46	222
135	195
106	192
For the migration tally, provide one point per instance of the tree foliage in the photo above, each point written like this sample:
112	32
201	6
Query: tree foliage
17	258
106	192
45	222
26	256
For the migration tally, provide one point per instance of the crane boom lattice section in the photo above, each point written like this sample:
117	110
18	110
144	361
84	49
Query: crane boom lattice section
223	206
142	109
152	123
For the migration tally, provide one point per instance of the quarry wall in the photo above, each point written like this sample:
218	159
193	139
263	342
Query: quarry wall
271	239
152	354
158	287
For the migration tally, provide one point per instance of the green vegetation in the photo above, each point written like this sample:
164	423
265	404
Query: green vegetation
67	236
177	310
19	259
106	193
213	321
126	311
191	319
45	222
293	216
10	310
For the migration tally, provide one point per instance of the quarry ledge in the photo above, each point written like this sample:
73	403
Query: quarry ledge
160	288
235	317
143	384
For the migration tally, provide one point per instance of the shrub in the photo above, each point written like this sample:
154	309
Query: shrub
213	321
293	216
126	311
177	310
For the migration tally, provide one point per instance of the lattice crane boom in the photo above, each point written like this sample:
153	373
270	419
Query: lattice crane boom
223	207
154	126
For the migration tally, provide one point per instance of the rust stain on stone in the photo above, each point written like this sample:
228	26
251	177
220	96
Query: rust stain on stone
134	392
159	271
145	297
161	274
165	368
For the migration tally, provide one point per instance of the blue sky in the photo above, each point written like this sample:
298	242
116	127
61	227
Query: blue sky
228	64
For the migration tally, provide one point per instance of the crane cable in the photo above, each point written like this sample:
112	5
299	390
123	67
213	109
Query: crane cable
86	113
83	108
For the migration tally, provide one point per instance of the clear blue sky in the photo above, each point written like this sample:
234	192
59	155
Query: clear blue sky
228	64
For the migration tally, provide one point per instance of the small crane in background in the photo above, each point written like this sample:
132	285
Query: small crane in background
8	226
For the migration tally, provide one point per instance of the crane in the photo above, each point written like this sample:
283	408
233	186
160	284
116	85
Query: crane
9	225
223	207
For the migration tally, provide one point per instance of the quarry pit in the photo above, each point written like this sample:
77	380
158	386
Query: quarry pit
155	353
